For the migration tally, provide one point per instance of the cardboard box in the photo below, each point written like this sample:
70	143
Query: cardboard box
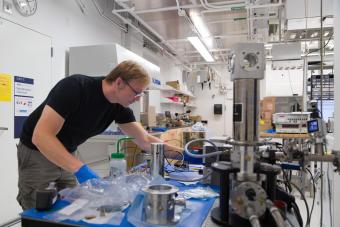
266	115
278	104
149	118
191	135
268	104
175	84
196	118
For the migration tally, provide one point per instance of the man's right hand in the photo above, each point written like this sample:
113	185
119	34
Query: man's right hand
85	173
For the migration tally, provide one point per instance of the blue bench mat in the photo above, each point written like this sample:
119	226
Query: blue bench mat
202	208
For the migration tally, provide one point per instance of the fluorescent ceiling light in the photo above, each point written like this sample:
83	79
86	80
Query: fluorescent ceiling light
199	24
201	28
197	43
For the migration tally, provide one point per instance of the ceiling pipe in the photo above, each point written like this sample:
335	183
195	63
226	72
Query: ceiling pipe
150	39
143	23
227	9
162	40
156	10
107	18
237	5
265	5
214	37
238	19
209	63
221	5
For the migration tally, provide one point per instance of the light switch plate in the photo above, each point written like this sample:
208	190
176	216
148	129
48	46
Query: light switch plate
7	6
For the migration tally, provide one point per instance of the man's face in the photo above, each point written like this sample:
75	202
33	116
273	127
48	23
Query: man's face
130	91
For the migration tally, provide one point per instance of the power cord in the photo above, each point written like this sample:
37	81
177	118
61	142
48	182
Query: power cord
314	191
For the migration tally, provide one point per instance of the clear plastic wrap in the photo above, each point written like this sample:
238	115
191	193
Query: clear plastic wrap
105	199
198	193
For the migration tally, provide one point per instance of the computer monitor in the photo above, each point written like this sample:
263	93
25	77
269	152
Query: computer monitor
313	126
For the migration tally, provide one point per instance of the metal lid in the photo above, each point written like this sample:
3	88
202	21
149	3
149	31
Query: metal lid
160	189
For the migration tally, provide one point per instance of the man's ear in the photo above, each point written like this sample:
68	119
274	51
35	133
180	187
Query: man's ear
119	82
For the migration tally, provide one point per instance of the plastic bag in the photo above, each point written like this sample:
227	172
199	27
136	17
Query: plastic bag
198	193
199	127
104	197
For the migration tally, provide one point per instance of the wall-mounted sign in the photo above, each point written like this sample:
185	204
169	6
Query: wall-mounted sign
5	87
23	102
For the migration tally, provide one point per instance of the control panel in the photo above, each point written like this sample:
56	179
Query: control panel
294	122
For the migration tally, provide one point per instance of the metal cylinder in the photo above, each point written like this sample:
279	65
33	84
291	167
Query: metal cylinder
246	110
157	159
245	123
159	204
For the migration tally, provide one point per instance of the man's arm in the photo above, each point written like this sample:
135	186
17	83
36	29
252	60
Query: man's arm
45	139
143	139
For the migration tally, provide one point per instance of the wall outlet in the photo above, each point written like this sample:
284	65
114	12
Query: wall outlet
7	6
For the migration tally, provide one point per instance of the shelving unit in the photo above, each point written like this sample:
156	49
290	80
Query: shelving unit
180	104
171	90
314	87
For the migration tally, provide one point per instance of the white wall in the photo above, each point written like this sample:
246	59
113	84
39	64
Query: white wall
218	125
282	82
67	26
275	83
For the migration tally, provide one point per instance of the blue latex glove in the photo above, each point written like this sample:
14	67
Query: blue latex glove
85	173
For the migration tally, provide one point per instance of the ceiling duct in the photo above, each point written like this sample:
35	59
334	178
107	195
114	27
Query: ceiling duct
150	38
286	51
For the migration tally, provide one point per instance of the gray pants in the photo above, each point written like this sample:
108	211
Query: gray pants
35	172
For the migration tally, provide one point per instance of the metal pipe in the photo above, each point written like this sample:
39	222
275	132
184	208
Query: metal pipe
265	5
235	19
220	10
162	40
157	159
320	158
221	5
143	23
155	10
112	21
146	36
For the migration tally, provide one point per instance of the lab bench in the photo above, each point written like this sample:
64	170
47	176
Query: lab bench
34	218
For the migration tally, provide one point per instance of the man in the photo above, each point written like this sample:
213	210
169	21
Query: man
77	108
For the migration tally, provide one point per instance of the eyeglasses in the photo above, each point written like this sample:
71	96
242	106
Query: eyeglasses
137	94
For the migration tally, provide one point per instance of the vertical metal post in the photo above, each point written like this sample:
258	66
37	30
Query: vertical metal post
157	159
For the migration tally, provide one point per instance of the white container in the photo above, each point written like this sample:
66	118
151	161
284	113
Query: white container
117	165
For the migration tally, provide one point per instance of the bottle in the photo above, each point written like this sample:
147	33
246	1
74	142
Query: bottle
117	165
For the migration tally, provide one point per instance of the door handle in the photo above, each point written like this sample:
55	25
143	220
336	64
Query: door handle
3	128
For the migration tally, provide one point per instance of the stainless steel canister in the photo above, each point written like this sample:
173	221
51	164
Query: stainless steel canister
159	204
157	159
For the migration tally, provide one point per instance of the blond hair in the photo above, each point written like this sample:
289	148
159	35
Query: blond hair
129	70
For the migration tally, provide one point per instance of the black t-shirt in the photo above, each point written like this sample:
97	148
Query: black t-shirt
80	101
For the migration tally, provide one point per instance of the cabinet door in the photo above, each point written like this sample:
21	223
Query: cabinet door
24	53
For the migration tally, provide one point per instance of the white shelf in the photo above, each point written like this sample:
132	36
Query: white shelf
171	89
179	104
